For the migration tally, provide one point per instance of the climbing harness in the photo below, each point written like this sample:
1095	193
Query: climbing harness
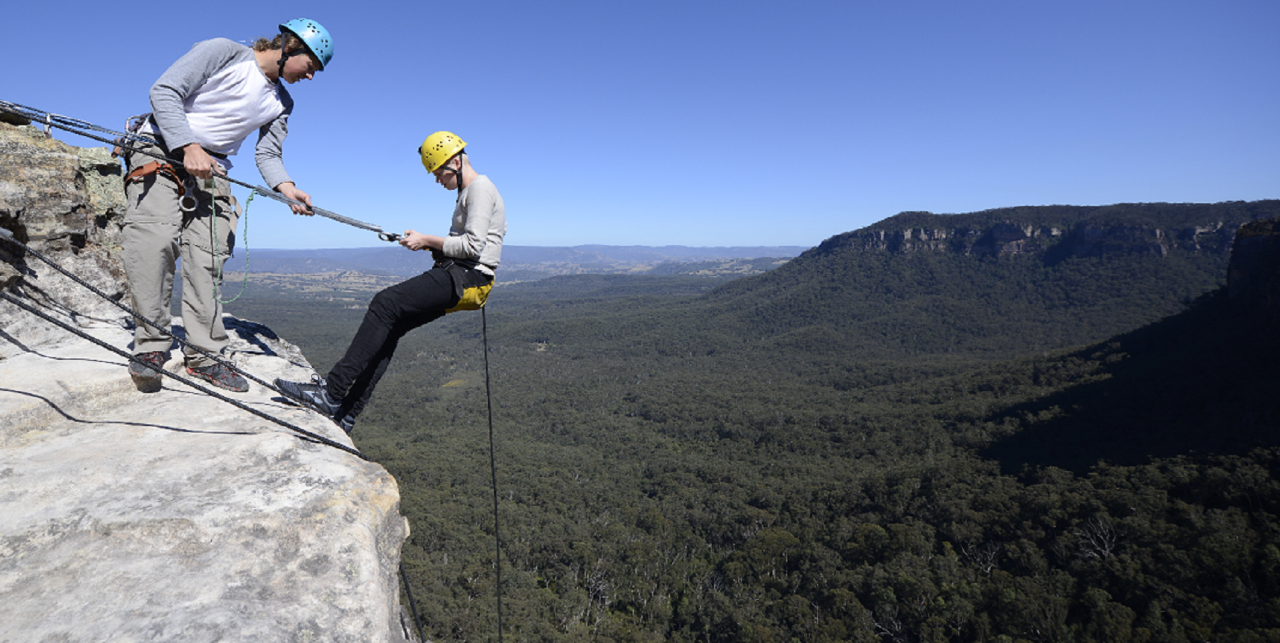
123	140
165	170
470	297
473	298
8	236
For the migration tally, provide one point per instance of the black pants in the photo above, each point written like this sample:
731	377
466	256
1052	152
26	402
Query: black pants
392	313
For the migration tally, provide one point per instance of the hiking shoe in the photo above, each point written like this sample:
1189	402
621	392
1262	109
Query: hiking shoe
147	366
221	377
348	422
313	394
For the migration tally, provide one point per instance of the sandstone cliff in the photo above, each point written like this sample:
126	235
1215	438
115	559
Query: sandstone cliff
1253	279
168	516
1059	232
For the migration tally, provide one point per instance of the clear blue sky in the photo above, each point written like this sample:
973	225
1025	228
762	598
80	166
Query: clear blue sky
715	123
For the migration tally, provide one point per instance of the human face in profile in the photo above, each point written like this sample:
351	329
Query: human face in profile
300	67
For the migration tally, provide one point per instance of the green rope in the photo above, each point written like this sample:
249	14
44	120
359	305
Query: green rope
213	243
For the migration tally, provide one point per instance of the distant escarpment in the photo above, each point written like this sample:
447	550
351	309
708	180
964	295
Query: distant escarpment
1058	232
998	283
1254	275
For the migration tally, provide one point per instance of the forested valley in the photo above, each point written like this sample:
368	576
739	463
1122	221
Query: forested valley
1073	436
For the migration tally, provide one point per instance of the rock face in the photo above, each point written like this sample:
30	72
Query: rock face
1253	278
1059	232
169	516
67	204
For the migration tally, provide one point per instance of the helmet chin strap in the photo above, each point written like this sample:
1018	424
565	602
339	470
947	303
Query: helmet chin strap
284	57
457	175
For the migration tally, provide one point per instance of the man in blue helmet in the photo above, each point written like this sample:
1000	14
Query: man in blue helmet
203	108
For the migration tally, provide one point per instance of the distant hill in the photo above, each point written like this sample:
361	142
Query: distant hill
527	263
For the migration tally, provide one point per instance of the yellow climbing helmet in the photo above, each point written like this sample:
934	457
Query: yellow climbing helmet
438	148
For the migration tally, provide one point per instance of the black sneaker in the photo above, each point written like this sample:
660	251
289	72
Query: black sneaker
313	394
221	377
147	366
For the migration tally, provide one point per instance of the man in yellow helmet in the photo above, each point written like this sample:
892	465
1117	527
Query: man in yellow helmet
466	261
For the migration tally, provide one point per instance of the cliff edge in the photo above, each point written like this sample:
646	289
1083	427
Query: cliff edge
167	516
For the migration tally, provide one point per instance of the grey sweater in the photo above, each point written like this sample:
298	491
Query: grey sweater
479	224
216	96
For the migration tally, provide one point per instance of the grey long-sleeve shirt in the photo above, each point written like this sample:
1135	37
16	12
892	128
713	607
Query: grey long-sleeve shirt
216	95
479	224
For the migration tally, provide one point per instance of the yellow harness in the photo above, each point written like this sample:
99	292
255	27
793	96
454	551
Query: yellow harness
473	298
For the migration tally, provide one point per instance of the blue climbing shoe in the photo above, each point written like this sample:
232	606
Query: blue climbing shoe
313	394
348	422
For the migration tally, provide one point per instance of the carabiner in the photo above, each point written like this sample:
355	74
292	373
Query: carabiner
389	236
188	201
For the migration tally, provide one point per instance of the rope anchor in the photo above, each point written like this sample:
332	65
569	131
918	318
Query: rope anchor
123	140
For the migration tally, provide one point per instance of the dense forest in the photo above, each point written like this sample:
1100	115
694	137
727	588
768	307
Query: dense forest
1063	443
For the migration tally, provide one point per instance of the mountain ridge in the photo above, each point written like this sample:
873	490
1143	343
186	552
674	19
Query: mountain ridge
1081	230
525	263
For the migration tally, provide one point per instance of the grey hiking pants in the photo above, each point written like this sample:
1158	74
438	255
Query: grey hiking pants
157	233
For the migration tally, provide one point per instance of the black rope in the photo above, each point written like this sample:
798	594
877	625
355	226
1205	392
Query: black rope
412	604
78	127
493	467
7	235
493	472
240	405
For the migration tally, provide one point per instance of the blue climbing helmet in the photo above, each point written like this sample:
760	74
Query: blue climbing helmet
314	36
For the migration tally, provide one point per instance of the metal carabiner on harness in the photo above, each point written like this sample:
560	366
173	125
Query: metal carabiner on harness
389	236
188	201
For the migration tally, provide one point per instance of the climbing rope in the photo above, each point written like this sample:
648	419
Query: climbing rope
493	473
213	241
8	236
122	138
315	437
244	284
413	605
493	468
